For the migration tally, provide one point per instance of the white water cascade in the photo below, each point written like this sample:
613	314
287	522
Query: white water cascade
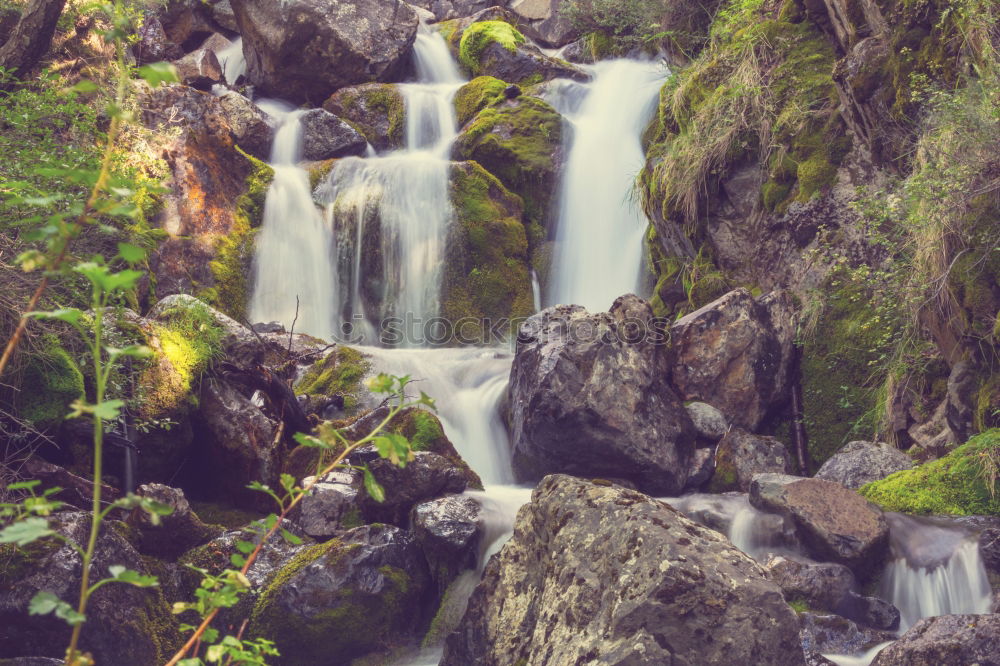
391	214
600	228
232	61
292	260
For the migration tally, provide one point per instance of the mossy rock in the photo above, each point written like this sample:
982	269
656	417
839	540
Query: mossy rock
339	600
476	95
341	372
478	36
49	382
520	142
959	483
486	275
425	432
376	110
232	267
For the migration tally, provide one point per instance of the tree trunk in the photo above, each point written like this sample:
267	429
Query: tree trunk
31	37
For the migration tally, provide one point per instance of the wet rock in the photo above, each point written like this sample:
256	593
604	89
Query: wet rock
947	639
332	505
833	523
700	468
376	110
426	477
178	532
870	611
249	125
708	421
76	491
524	64
200	69
559	580
449	532
303	50
740	456
357	591
545	23
989	549
240	445
589	397
735	354
325	136
125	624
859	463
833	634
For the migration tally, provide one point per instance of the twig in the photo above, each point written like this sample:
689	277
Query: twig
292	329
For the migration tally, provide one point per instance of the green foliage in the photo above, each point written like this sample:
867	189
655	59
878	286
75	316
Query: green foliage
625	23
961	483
50	381
481	34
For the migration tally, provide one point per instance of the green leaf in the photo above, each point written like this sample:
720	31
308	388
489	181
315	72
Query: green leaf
215	653
123	575
26	531
237	560
245	547
84	86
310	441
376	491
291	538
107	410
131	253
24	485
158	72
132	351
68	315
44	603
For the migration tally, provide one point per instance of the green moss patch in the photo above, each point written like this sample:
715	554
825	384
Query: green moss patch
479	35
340	372
959	483
50	382
476	95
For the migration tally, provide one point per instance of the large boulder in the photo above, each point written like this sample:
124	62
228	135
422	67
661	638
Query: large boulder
125	624
946	639
832	522
325	136
250	126
544	21
496	48
740	456
589	396
709	422
520	142
449	533
303	50
377	110
833	634
428	476
735	354
332	505
596	573
200	69
346	597
859	463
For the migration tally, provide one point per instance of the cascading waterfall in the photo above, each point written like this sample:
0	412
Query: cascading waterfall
232	61
391	214
600	228
292	260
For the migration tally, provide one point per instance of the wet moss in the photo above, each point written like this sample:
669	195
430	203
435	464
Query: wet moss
960	483
376	110
231	268
479	35
476	95
50	381
340	372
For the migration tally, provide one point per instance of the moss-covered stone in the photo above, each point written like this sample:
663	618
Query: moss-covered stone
479	35
232	266
961	483
519	141
341	372
376	110
487	276
476	95
50	381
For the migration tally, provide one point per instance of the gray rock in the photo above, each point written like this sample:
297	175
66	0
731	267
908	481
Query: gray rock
325	136
832	522
740	456
526	63
223	15
870	611
200	69
601	570
445	10
178	532
701	468
449	532
119	617
963	386
153	44
427	476
735	354
858	463
972	640
377	110
249	125
708	421
303	50
833	634
989	549
586	400
332	505
357	591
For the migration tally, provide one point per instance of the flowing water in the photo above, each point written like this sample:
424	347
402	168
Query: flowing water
378	252
232	61
600	225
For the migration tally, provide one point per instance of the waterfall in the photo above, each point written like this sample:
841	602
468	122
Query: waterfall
601	226
292	260
390	214
232	61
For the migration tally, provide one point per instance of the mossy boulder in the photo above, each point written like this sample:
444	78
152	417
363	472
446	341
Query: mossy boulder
125	624
49	382
376	110
486	276
340	374
960	483
520	142
345	598
476	95
497	48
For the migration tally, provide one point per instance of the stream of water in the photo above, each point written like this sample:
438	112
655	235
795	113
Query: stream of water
377	251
